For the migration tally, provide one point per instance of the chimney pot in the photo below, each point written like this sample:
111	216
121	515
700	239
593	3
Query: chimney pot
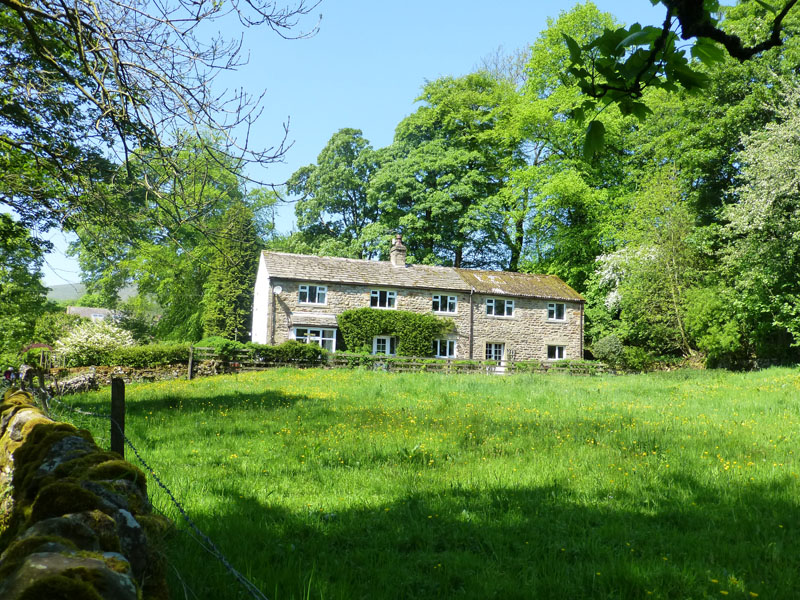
397	255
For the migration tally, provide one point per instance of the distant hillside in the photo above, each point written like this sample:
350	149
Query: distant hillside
69	292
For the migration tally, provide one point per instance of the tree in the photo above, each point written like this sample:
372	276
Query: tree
228	291
334	204
438	179
617	66
657	262
89	85
563	202
23	298
762	257
170	260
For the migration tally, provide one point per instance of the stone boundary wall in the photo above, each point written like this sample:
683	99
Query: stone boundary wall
75	520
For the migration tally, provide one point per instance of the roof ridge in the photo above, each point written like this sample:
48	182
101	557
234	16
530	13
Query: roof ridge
360	260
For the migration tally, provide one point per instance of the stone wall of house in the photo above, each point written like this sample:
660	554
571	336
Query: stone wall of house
75	520
526	334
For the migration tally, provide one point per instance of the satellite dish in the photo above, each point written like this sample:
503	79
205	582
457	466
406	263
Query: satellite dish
277	290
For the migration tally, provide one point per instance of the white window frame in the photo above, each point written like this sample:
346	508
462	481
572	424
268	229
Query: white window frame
388	341
493	354
317	335
318	290
449	348
558	350
390	298
443	303
493	304
552	311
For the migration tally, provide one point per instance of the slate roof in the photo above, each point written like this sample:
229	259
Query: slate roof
88	312
326	269
505	283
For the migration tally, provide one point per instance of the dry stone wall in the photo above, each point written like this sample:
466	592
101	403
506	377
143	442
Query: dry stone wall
75	520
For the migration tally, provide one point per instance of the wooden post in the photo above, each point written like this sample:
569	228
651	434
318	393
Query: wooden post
191	362
118	416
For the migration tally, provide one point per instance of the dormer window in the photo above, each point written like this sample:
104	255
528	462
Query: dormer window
312	294
499	307
446	304
382	299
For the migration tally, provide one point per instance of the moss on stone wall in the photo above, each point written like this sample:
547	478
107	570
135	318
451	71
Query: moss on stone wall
76	520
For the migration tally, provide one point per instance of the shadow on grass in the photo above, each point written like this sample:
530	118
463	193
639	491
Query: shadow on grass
263	400
542	542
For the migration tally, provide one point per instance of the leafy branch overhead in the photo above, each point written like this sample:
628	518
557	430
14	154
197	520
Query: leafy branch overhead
93	84
617	66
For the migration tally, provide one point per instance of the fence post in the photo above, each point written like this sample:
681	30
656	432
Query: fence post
118	416
191	361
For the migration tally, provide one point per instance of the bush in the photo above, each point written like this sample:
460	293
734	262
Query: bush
91	343
290	351
54	325
151	355
528	366
609	350
224	348
636	359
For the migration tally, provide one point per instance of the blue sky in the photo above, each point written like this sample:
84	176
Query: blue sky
365	67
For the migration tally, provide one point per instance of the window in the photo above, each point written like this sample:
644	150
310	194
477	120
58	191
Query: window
495	351
382	299
555	352
324	338
556	311
445	303
312	294
444	348
499	307
384	344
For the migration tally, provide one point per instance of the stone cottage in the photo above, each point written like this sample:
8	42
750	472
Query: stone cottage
498	315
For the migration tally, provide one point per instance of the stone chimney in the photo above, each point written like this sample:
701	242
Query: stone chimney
398	252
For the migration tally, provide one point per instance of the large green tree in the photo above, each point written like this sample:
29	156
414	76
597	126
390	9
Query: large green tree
23	298
567	200
88	85
170	258
448	162
762	257
333	208
228	290
619	65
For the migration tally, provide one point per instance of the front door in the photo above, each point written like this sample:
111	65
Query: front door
495	351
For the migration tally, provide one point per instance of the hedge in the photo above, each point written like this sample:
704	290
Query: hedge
224	348
291	351
414	332
151	355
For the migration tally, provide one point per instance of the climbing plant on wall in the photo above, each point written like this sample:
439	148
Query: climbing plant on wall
415	333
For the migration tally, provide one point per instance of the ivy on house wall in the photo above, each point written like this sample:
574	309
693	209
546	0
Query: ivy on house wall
414	332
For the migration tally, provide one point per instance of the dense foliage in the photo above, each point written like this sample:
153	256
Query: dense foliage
676	217
414	332
679	228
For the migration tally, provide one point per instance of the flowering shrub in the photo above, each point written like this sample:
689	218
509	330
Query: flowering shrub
91	343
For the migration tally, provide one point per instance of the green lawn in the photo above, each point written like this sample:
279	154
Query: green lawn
348	484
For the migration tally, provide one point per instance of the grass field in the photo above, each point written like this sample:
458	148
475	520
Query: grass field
347	484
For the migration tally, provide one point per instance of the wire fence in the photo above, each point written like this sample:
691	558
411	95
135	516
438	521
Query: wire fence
201	538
